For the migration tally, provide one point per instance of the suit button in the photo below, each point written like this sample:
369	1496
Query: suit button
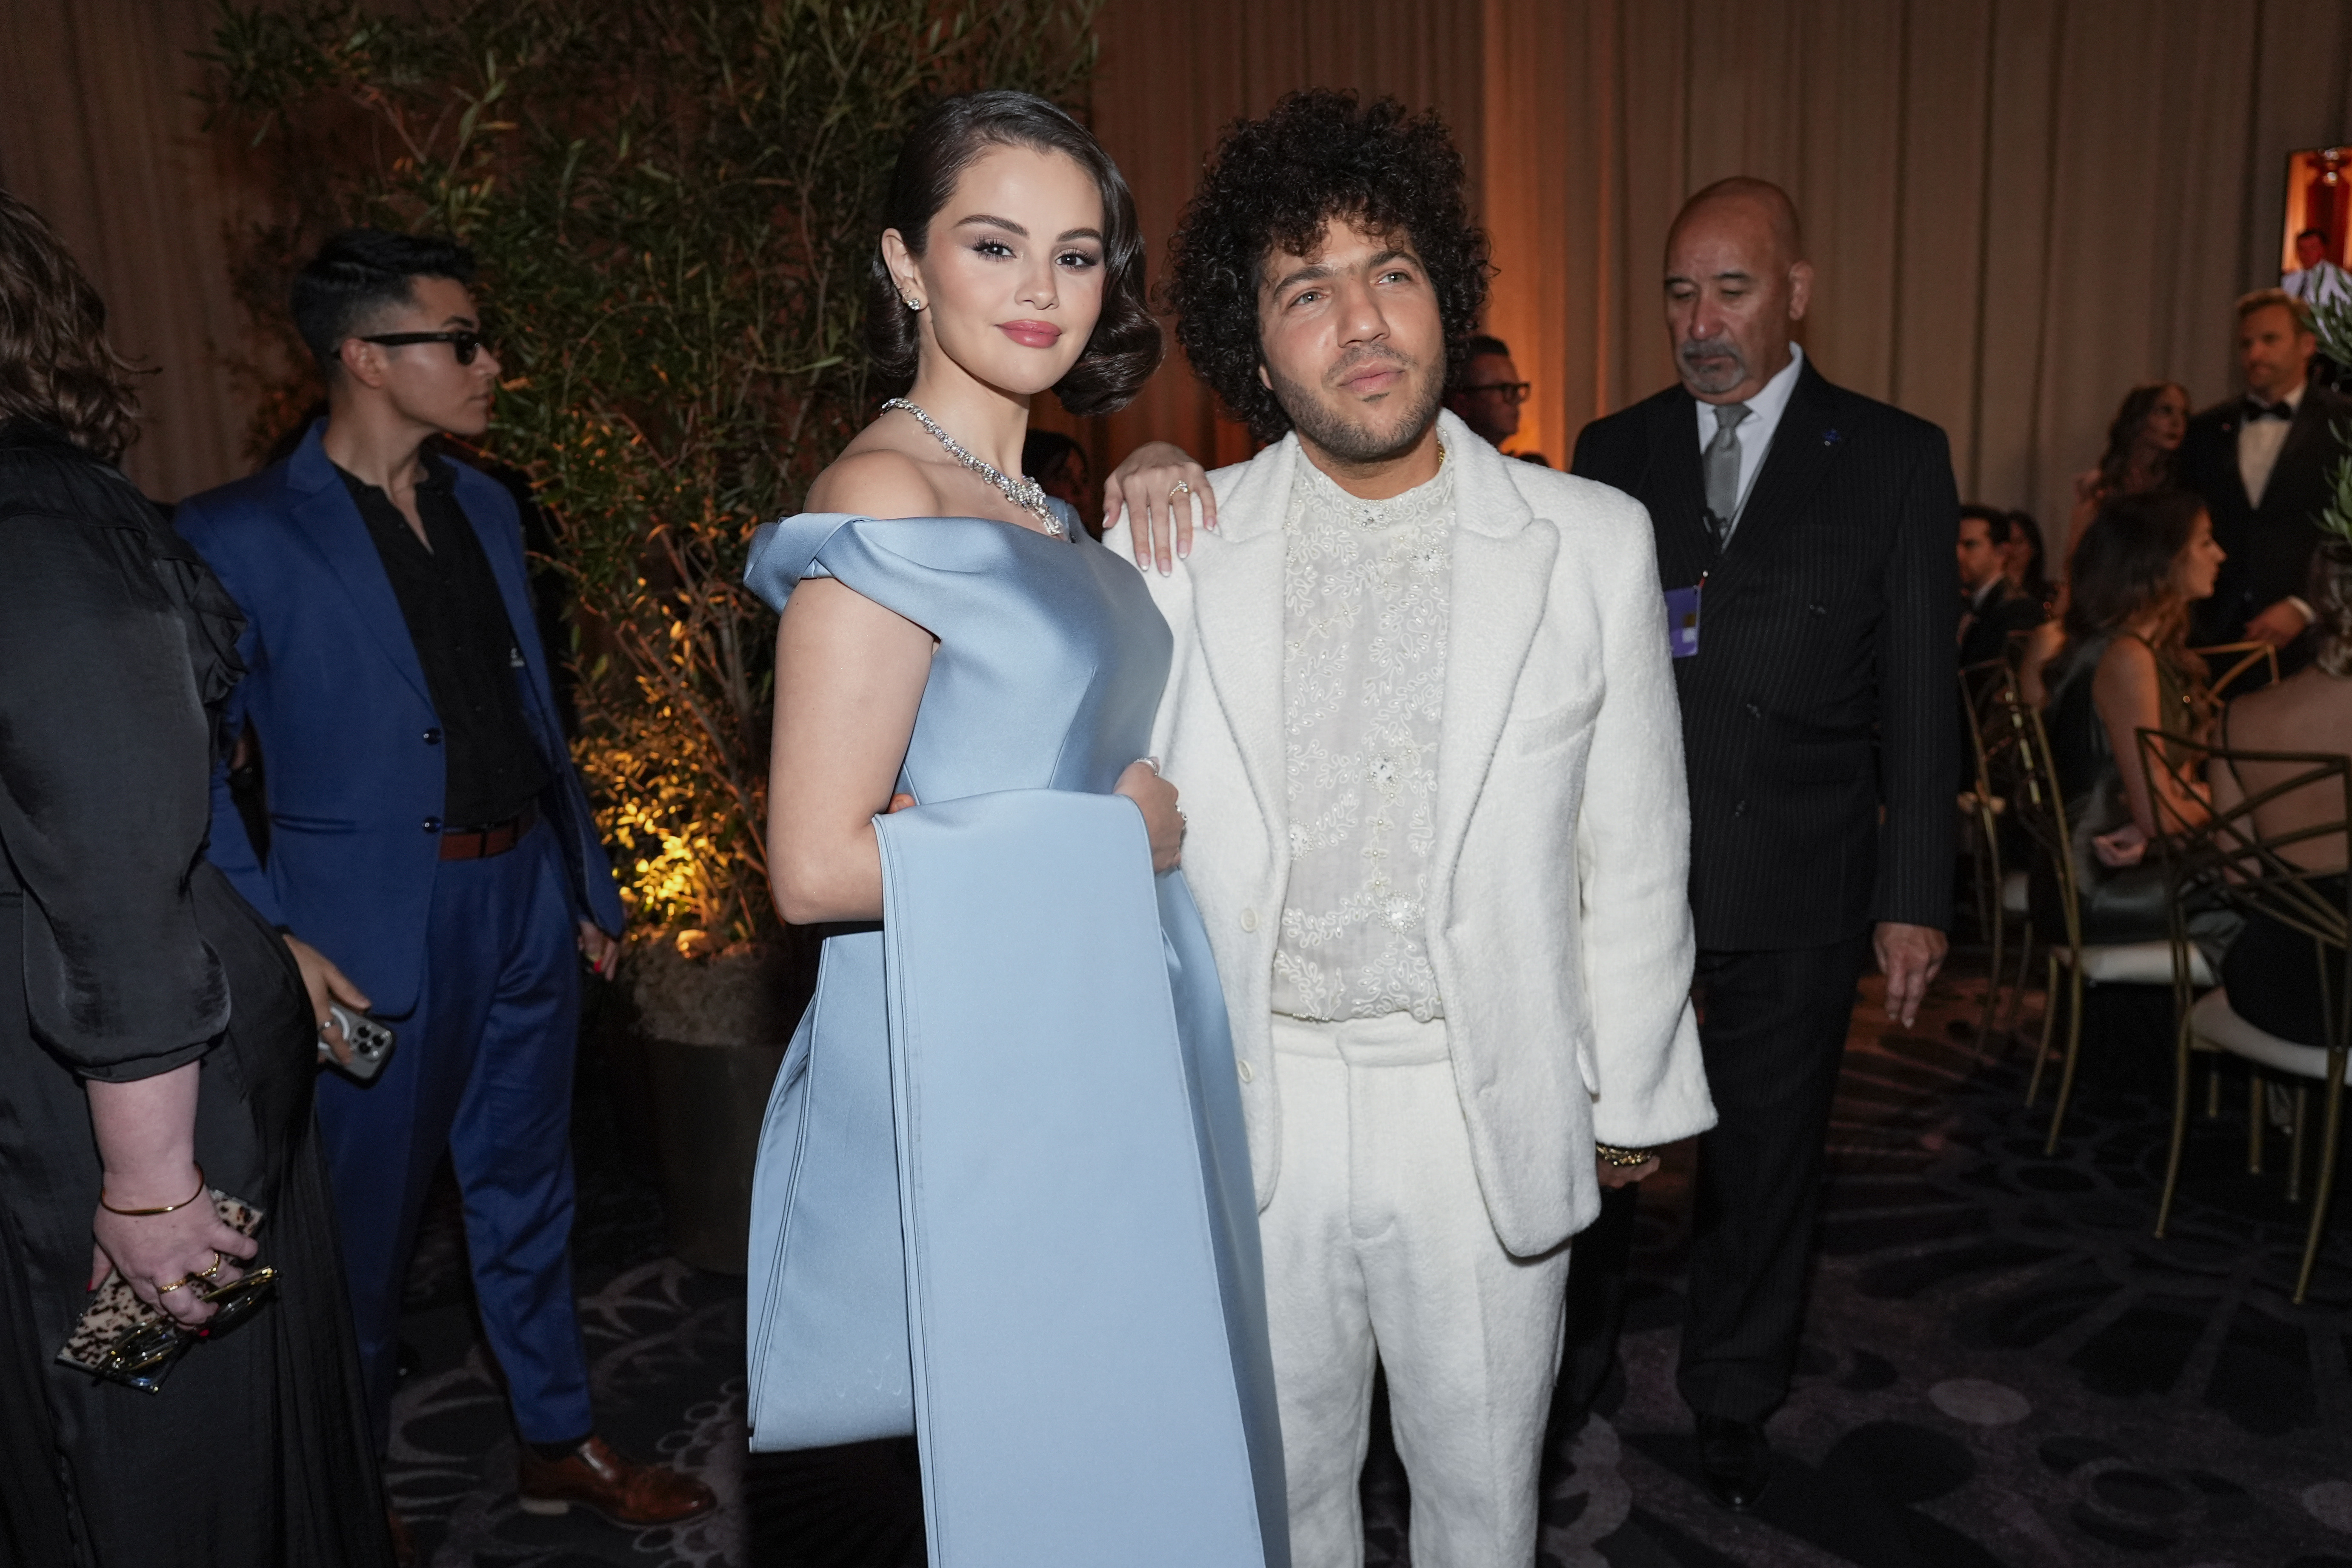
1740	810
1249	920
1819	609
431	737
432	825
1754	712
1248	1076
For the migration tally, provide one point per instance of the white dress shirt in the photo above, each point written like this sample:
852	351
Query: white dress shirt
1764	411
2318	285
2259	441
1367	590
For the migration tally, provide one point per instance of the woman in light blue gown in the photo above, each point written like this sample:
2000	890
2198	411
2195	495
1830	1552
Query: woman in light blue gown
1004	1197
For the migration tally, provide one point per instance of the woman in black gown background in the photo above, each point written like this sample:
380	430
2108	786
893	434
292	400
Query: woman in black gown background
151	1022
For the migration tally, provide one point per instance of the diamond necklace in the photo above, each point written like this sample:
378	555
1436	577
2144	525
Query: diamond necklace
1023	492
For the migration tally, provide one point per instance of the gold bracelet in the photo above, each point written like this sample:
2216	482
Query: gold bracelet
1622	1159
167	1208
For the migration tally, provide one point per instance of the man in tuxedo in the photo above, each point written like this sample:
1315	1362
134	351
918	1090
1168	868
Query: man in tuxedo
431	847
1991	606
1804	541
2264	462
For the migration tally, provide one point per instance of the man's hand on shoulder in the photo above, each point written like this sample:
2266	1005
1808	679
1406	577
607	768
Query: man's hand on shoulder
1156	488
1909	956
2278	626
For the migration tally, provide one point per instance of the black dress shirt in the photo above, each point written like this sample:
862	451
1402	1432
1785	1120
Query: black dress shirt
465	642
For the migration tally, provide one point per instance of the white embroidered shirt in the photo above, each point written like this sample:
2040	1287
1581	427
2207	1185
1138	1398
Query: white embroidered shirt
1365	596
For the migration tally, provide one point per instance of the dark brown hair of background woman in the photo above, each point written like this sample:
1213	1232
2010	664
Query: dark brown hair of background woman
56	364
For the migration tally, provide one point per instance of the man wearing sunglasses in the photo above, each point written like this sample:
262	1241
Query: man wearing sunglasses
1488	391
431	853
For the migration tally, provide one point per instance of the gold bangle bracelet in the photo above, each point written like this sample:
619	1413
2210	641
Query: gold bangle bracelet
167	1208
1622	1159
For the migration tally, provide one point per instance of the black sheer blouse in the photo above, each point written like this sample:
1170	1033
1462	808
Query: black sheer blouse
117	648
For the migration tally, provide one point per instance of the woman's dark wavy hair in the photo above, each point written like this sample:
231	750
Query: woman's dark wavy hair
1126	345
2127	564
56	364
2123	435
1273	185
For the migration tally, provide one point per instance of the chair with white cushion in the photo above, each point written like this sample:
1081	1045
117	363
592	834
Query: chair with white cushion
2227	855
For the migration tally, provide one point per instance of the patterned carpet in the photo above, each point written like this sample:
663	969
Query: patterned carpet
2002	1367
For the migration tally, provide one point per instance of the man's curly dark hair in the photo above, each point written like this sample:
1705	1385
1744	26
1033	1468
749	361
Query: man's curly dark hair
1275	184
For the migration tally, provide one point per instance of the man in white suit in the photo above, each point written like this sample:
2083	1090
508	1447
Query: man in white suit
1420	712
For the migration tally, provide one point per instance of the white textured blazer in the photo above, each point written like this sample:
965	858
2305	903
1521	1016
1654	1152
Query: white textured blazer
1560	928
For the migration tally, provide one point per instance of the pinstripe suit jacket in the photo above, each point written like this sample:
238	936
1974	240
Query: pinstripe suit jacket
1817	713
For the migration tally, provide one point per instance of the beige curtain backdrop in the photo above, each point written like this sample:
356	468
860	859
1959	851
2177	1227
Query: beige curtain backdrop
2018	207
99	129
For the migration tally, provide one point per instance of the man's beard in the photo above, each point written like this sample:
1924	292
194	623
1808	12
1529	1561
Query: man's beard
1711	382
1345	439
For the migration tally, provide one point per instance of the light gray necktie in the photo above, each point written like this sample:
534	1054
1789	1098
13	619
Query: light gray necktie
1722	462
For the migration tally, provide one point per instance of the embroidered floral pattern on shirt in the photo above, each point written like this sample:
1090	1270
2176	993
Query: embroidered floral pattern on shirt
1366	586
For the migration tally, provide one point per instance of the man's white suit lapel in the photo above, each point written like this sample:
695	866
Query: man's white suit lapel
1502	573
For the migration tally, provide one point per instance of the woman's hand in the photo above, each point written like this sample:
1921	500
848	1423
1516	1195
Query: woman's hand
1156	798
189	1249
2125	847
327	983
1145	488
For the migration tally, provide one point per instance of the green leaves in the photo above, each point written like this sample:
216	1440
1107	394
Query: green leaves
672	204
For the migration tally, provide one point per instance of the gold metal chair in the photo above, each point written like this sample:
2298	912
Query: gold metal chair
2039	807
2226	856
2236	661
1987	689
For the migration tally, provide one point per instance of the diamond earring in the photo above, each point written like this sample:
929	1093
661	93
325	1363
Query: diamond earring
913	303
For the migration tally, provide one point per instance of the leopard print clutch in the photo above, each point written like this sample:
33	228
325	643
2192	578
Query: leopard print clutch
123	1340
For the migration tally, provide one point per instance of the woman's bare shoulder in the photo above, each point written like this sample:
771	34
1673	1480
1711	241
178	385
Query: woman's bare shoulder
875	482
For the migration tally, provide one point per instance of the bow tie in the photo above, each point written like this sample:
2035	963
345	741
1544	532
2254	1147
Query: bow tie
2257	409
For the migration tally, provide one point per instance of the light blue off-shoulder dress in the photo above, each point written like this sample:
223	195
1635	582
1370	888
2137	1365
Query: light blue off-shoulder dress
1003	1196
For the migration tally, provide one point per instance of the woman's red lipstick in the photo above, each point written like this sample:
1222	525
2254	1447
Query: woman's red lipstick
1032	334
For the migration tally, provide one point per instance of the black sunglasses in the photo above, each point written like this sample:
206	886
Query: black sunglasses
464	344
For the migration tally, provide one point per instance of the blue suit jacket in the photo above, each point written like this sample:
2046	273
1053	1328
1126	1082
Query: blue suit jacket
349	735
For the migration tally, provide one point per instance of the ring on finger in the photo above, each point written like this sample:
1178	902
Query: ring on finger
179	1284
1180	488
213	1272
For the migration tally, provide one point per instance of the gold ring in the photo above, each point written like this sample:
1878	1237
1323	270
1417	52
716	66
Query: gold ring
1180	488
179	1284
214	1271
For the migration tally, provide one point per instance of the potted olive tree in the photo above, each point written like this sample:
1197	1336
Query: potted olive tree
671	201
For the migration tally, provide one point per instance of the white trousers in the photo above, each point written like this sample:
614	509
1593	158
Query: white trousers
1378	1248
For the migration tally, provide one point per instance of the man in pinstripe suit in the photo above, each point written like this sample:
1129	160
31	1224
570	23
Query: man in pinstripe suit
1805	533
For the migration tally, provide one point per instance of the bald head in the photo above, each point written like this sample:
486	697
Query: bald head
1736	286
1745	202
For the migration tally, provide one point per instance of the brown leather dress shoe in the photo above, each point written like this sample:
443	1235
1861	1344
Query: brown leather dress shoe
602	1482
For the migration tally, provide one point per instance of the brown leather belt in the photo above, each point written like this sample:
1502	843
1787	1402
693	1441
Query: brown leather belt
481	843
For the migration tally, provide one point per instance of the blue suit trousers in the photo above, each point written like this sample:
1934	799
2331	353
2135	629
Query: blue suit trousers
483	1069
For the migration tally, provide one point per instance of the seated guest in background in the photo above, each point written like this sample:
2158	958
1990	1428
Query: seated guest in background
2142	452
2264	463
2125	666
2025	560
1059	465
154	1038
1991	608
2273	970
2314	279
1488	391
411	749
